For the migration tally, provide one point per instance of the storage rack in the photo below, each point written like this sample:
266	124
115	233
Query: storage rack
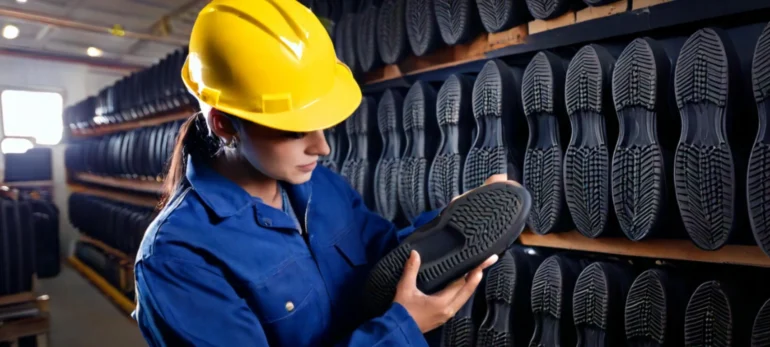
640	18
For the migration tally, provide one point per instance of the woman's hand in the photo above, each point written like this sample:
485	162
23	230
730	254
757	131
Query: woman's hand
493	179
432	311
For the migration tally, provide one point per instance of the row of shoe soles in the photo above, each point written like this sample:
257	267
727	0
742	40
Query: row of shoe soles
118	225
636	176
566	300
380	34
158	88
140	152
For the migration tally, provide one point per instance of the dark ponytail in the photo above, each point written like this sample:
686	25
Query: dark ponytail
194	139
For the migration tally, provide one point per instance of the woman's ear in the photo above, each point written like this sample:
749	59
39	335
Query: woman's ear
221	125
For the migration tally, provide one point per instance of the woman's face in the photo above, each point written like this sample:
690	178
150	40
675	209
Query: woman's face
285	156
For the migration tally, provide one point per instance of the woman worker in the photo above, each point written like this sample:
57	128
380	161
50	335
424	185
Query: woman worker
256	245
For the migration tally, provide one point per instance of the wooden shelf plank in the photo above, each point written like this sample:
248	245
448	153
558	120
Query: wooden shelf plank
145	186
105	287
19	298
539	25
594	12
140	200
141	123
124	258
657	249
637	4
27	184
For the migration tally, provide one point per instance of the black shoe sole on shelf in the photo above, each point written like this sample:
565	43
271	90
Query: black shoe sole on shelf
758	191
421	26
392	42
331	139
704	174
549	9
542	93
708	319
419	108
366	45
356	166
586	161
475	226
760	332
452	107
639	182
648	314
598	302
457	20
460	330
488	154
500	15
386	173
496	329
552	288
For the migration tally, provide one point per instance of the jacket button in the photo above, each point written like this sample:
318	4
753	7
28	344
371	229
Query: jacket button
289	306
267	221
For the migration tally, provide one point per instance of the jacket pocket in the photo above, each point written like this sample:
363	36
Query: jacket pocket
286	293
352	248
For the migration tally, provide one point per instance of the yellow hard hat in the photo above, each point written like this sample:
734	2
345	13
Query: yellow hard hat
270	62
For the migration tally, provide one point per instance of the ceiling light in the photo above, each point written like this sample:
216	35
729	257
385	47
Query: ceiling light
21	1
94	52
10	32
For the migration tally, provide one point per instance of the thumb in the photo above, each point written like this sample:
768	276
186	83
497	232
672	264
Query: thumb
496	178
411	268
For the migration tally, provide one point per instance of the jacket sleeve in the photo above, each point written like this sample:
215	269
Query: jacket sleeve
181	304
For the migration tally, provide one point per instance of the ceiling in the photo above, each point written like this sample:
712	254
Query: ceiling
66	28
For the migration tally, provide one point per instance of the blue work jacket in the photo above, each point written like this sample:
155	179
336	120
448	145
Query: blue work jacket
219	267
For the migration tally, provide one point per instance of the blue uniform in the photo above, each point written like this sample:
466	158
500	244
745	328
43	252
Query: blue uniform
219	267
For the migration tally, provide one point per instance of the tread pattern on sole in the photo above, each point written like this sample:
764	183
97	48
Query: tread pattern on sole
386	174
488	154
547	288
543	164
392	42
638	174
481	217
355	169
500	15
421	27
760	332
646	309
455	20
444	179
547	9
500	288
708	319
703	164
590	303
366	44
586	161
758	180
459	332
418	105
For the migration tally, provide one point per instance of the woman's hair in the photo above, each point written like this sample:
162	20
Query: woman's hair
194	139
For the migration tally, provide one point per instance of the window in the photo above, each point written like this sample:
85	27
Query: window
30	114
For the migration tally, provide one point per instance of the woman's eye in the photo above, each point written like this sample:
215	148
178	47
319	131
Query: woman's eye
294	135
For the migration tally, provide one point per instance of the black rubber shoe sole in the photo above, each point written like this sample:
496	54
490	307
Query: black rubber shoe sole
552	288
488	154
366	44
419	107
708	320
356	166
350	28
639	84
386	174
331	138
472	228
758	181
496	328
548	9
586	161
500	15
760	332
457	20
654	309
453	105
598	302
392	42
704	174
421	26
542	95
460	331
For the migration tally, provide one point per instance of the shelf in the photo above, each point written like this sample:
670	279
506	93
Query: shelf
144	186
124	258
105	287
127	197
141	123
27	184
657	248
637	22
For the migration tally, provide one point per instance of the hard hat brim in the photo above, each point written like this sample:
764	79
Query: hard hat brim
329	110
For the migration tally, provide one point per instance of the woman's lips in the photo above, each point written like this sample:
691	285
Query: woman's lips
307	167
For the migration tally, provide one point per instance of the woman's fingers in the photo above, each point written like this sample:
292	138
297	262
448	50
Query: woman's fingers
411	269
496	178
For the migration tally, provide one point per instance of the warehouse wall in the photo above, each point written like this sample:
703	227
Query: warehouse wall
75	82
